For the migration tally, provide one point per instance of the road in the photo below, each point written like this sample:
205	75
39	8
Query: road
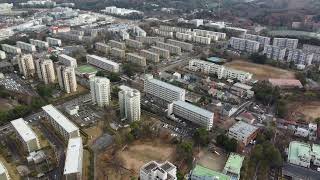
300	172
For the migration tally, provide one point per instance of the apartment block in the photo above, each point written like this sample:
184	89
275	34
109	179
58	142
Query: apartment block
45	70
190	112
134	43
100	91
174	29
312	49
26	46
184	36
171	48
243	132
274	52
39	44
156	171
53	41
136	59
124	34
212	37
205	33
26	65
162	52
10	49
149	40
26	135
220	71
139	31
116	44
66	78
77	32
167	34
129	103
70	37
74	159
298	56
2	55
261	39
163	90
4	175
183	45
286	43
150	56
201	39
103	63
244	45
102	47
67	60
60	123
118	53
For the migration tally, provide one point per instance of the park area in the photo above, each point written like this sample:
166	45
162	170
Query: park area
259	71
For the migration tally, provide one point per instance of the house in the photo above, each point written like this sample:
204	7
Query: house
246	117
228	110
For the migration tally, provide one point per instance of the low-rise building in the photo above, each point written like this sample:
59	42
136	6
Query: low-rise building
2	55
171	48
243	132
167	34
117	44
203	173
74	159
10	49
149	40
39	44
102	47
184	36
156	171
164	53
233	166
201	39
274	52
150	56
26	46
136	59
183	45
118	53
286	83
103	63
53	41
286	43
312	49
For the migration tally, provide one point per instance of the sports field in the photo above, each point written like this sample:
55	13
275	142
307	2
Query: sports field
86	69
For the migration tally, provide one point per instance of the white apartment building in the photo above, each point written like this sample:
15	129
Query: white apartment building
201	39
139	31
263	40
149	40
2	55
120	11
26	46
67	78
191	113
26	65
312	49
10	49
26	135
67	60
74	159
164	53
116	44
39	44
220	71
300	57
183	45
136	59
61	123
118	53
156	171
100	91
150	56
103	63
129	102
124	34
205	33
163	90
4	175
167	34
54	42
45	70
244	45
274	52
134	43
286	43
102	47
184	36
174	29
171	48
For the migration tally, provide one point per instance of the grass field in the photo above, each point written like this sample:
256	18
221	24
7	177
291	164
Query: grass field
11	168
259	71
86	69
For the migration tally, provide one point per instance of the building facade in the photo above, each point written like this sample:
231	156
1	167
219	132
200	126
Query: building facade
26	65
286	43
129	102
136	59
156	171
100	91
66	78
274	52
67	60
45	70
103	63
26	46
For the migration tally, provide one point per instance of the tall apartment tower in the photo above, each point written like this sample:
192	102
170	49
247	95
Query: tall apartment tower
26	65
67	78
100	91
129	102
45	70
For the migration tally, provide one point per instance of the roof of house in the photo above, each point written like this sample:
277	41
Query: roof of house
201	171
234	163
243	128
286	82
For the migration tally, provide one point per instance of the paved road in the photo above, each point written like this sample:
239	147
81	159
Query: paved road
300	172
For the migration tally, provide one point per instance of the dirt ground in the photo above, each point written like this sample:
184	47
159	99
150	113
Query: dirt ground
259	71
86	163
6	104
93	133
307	111
212	160
126	163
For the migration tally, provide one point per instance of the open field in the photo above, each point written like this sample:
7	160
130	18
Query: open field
126	162
212	160
259	71
6	104
93	133
307	111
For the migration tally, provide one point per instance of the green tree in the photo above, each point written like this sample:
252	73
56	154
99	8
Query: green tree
266	93
114	77
257	58
185	151
45	90
201	137
281	108
100	73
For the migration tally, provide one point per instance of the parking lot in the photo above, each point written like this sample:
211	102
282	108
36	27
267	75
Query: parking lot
87	114
13	82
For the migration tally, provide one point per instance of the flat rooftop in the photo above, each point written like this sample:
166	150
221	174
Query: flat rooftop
24	130
201	171
166	85
105	60
63	121
243	128
298	150
73	162
194	108
234	163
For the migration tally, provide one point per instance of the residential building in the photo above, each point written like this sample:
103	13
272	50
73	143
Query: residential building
164	53
274	52
100	91
4	175
39	44
67	60
285	43
149	40
54	42
156	171
205	33
120	11
45	70
10	49
61	123
190	112
124	34
202	173
244	45
312	49
26	46
134	43
129	102
150	56
103	63
139	31
116	44
162	90
196	22
102	47
26	65
233	166
74	159
298	56
286	83
184	36
136	59
171	48
67	78
167	34
26	135
2	55
261	39
174	29
201	39
299	153
119	53
243	132
183	45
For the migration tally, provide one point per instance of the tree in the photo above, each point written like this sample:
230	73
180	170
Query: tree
185	151
227	143
54	58
257	58
114	77
100	73
201	137
266	93
44	90
281	108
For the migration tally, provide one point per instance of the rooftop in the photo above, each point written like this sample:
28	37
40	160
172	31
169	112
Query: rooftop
243	128
297	150
166	85
243	86
103	59
216	59
63	121
201	171
74	155
286	82
23	129
234	163
194	108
